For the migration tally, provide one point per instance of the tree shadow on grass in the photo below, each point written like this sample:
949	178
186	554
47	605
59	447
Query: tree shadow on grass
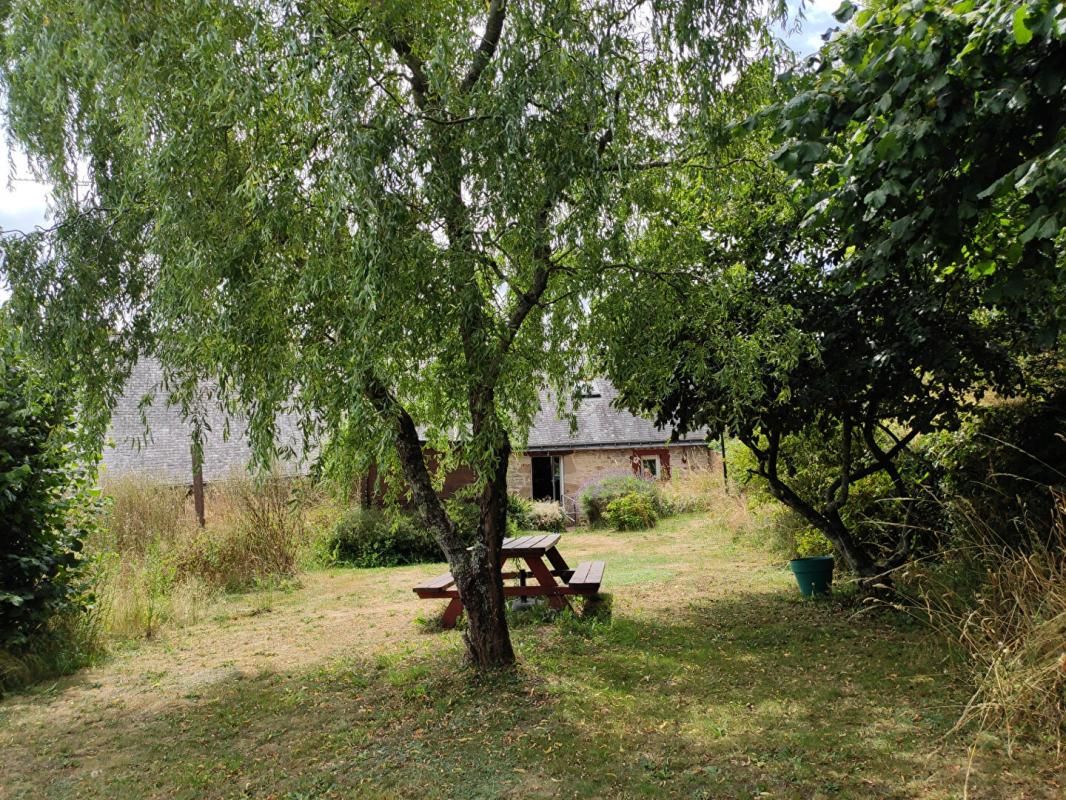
719	699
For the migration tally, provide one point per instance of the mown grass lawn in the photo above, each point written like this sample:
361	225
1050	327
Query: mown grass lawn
708	678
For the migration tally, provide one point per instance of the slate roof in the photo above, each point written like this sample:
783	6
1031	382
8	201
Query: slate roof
164	452
599	425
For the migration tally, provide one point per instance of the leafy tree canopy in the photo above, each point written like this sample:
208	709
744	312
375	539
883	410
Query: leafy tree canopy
389	211
930	134
296	196
754	329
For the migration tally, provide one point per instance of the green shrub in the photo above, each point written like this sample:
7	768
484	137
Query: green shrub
529	515
45	507
520	512
376	538
547	516
595	497
631	512
810	541
465	513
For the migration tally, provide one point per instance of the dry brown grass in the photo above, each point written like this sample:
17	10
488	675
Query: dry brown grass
255	539
704	490
155	566
141	512
1008	614
1016	637
696	490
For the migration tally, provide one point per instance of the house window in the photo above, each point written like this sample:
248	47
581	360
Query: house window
547	478
649	467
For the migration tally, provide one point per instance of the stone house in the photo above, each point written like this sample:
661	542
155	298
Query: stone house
558	460
555	464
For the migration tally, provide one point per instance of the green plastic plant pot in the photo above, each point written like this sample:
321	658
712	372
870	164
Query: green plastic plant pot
814	575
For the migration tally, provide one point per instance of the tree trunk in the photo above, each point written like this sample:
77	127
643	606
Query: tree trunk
476	570
488	642
853	551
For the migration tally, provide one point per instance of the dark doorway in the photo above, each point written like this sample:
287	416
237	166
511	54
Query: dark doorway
547	478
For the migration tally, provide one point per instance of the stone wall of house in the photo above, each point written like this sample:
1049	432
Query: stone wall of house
581	467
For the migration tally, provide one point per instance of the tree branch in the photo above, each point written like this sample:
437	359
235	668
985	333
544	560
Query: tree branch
417	78
413	463
529	299
685	163
838	492
876	466
489	40
904	544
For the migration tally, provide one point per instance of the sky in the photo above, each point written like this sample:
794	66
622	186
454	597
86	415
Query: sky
24	202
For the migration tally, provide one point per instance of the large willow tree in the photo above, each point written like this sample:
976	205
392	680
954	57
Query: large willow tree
381	215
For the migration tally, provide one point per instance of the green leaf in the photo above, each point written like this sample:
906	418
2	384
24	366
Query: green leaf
845	12
1022	34
876	198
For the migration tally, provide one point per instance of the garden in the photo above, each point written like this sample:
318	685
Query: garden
708	676
374	243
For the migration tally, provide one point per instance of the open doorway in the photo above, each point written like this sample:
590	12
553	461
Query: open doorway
547	478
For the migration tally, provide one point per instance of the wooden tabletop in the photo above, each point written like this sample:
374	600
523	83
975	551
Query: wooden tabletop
529	545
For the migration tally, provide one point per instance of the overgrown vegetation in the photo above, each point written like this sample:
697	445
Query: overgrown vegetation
632	511
371	537
596	496
46	513
154	565
535	515
1005	609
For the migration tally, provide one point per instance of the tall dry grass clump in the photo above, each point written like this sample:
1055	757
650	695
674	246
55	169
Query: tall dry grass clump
155	566
705	490
1006	608
145	523
141	512
254	540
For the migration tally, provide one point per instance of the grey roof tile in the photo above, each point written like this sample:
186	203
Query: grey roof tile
165	454
599	424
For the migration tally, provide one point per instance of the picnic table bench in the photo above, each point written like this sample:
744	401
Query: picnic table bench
534	550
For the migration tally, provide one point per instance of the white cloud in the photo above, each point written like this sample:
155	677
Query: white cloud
23	201
817	19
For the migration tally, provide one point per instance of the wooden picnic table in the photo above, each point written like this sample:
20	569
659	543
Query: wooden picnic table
534	550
